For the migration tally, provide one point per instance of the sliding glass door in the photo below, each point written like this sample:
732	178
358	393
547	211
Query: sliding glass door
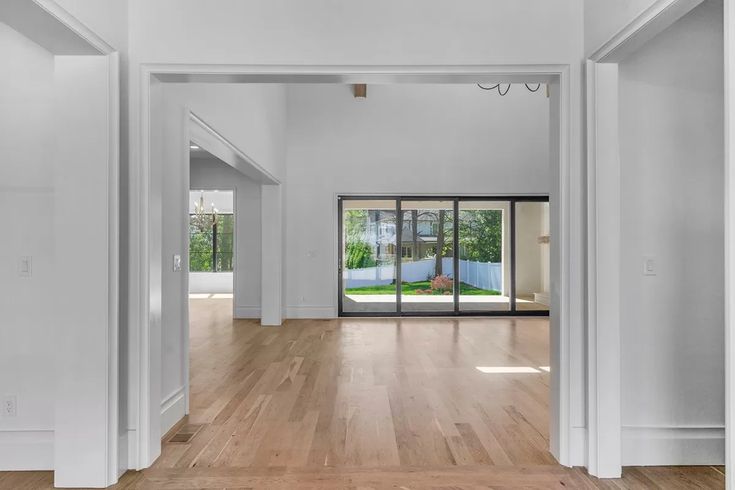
532	270
427	256
484	255
416	256
369	241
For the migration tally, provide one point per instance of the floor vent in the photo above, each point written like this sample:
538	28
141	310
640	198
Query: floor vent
186	433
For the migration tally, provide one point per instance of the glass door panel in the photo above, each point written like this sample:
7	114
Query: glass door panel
369	247
484	255
532	256
427	253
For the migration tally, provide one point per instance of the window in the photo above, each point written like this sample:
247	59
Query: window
407	251
210	243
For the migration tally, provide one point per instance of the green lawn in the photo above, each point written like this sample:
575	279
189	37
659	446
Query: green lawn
411	288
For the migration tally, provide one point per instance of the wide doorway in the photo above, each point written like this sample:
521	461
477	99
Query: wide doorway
439	255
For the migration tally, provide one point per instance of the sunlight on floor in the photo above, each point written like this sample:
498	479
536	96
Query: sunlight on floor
507	370
210	295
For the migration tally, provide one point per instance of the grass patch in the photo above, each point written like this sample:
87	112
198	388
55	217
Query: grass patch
412	288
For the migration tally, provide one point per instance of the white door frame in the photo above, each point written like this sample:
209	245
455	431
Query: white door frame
729	21
566	308
208	138
603	228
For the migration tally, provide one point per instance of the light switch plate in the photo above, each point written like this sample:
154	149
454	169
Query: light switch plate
25	266
649	266
177	263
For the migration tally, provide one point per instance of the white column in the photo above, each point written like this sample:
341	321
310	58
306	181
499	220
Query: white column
272	255
604	272
85	217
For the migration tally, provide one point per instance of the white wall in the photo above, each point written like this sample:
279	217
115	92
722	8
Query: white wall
349	33
604	18
532	257
27	195
250	116
671	131
402	139
214	174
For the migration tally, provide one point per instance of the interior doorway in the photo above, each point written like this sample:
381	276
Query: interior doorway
565	216
437	256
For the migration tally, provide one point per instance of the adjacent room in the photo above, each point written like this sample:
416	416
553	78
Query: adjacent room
384	181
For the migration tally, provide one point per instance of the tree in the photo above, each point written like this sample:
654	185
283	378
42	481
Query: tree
439	244
481	235
359	255
200	249
356	223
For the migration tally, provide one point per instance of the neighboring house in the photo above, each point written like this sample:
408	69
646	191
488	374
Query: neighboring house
417	242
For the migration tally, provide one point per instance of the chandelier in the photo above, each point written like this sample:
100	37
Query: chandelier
503	93
202	219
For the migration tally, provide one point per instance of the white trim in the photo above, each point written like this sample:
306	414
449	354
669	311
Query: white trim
578	440
173	409
667	446
603	239
651	22
314	312
246	312
729	21
26	450
130	439
143	434
205	135
75	25
185	319
123	453
113	243
568	317
603	407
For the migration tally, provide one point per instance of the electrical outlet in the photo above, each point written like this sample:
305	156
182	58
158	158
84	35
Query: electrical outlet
649	266
10	406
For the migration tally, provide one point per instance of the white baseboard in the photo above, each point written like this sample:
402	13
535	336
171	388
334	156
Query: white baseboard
123	454
132	439
315	312
173	409
578	447
26	450
247	311
673	446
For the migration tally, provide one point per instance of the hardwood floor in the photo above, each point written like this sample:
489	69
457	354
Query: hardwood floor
369	403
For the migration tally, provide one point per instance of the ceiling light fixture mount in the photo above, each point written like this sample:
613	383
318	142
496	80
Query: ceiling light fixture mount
360	90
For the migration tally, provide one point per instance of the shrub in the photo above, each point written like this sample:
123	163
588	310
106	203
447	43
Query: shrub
359	255
442	283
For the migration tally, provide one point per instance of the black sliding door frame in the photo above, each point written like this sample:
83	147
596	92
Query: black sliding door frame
456	200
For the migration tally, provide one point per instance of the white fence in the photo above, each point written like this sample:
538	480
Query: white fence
483	275
210	282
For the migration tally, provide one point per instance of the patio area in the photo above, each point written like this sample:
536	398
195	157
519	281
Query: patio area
376	303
